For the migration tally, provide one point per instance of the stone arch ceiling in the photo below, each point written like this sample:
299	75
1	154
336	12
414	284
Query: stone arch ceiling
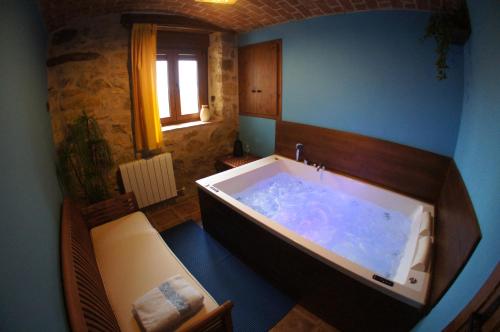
243	16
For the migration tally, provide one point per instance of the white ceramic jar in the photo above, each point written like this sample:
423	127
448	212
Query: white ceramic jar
204	113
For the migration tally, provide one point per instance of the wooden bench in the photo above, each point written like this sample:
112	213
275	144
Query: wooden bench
88	302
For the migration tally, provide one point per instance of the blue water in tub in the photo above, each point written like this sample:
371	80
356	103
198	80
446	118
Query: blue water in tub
356	229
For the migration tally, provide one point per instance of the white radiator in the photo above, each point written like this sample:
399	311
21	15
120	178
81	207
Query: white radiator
152	180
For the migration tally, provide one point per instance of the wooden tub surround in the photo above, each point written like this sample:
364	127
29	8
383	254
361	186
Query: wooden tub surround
410	171
91	301
331	293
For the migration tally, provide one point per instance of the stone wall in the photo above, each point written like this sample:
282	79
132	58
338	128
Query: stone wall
195	149
88	71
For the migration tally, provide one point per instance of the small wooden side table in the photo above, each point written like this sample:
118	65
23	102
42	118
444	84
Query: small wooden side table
229	161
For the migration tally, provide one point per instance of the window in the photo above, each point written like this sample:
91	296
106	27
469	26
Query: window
181	78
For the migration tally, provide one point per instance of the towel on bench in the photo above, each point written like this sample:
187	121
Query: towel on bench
167	306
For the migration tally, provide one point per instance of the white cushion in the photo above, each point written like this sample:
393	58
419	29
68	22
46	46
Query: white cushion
132	259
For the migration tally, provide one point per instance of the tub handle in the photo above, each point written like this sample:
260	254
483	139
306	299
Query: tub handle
422	254
426	224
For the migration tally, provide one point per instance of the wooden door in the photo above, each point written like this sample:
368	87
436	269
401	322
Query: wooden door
246	80
266	79
259	67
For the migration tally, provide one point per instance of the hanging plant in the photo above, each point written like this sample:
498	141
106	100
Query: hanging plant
84	161
448	27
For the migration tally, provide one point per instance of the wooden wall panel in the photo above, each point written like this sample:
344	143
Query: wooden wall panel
410	171
457	233
181	40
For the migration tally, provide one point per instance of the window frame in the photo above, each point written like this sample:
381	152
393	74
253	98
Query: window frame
173	55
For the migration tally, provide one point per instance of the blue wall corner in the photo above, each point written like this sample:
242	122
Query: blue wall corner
369	73
259	134
30	199
477	156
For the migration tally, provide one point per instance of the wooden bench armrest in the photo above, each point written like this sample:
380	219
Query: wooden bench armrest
108	210
217	320
87	305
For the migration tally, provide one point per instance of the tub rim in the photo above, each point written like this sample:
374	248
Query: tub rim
415	295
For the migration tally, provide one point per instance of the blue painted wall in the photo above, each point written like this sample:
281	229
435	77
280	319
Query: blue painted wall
30	287
478	157
258	133
368	73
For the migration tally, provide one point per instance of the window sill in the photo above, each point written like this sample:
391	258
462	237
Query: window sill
184	125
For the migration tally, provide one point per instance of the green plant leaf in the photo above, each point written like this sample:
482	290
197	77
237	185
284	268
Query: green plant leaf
84	161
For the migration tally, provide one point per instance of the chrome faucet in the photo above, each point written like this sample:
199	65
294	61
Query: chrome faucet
299	147
320	168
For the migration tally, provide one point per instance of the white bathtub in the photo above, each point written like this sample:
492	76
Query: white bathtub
411	282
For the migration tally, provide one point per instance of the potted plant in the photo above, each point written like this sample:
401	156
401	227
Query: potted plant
84	161
448	27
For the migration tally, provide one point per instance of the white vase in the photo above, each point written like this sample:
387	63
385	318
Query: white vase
204	113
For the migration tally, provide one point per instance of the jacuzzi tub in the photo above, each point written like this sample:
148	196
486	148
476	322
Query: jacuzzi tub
410	280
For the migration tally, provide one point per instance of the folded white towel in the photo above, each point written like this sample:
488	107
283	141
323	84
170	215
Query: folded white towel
167	306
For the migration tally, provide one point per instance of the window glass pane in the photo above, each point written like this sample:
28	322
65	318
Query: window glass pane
162	88
188	86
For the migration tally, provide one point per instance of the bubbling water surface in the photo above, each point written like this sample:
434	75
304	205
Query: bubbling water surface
356	229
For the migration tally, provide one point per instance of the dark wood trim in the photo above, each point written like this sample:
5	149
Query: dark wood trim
203	78
280	78
327	292
230	161
457	233
174	22
484	298
279	41
404	169
111	209
264	116
87	305
167	40
185	118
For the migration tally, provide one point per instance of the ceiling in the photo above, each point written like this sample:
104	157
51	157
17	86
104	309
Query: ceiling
243	16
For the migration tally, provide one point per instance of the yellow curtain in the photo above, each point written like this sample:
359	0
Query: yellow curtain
147	126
